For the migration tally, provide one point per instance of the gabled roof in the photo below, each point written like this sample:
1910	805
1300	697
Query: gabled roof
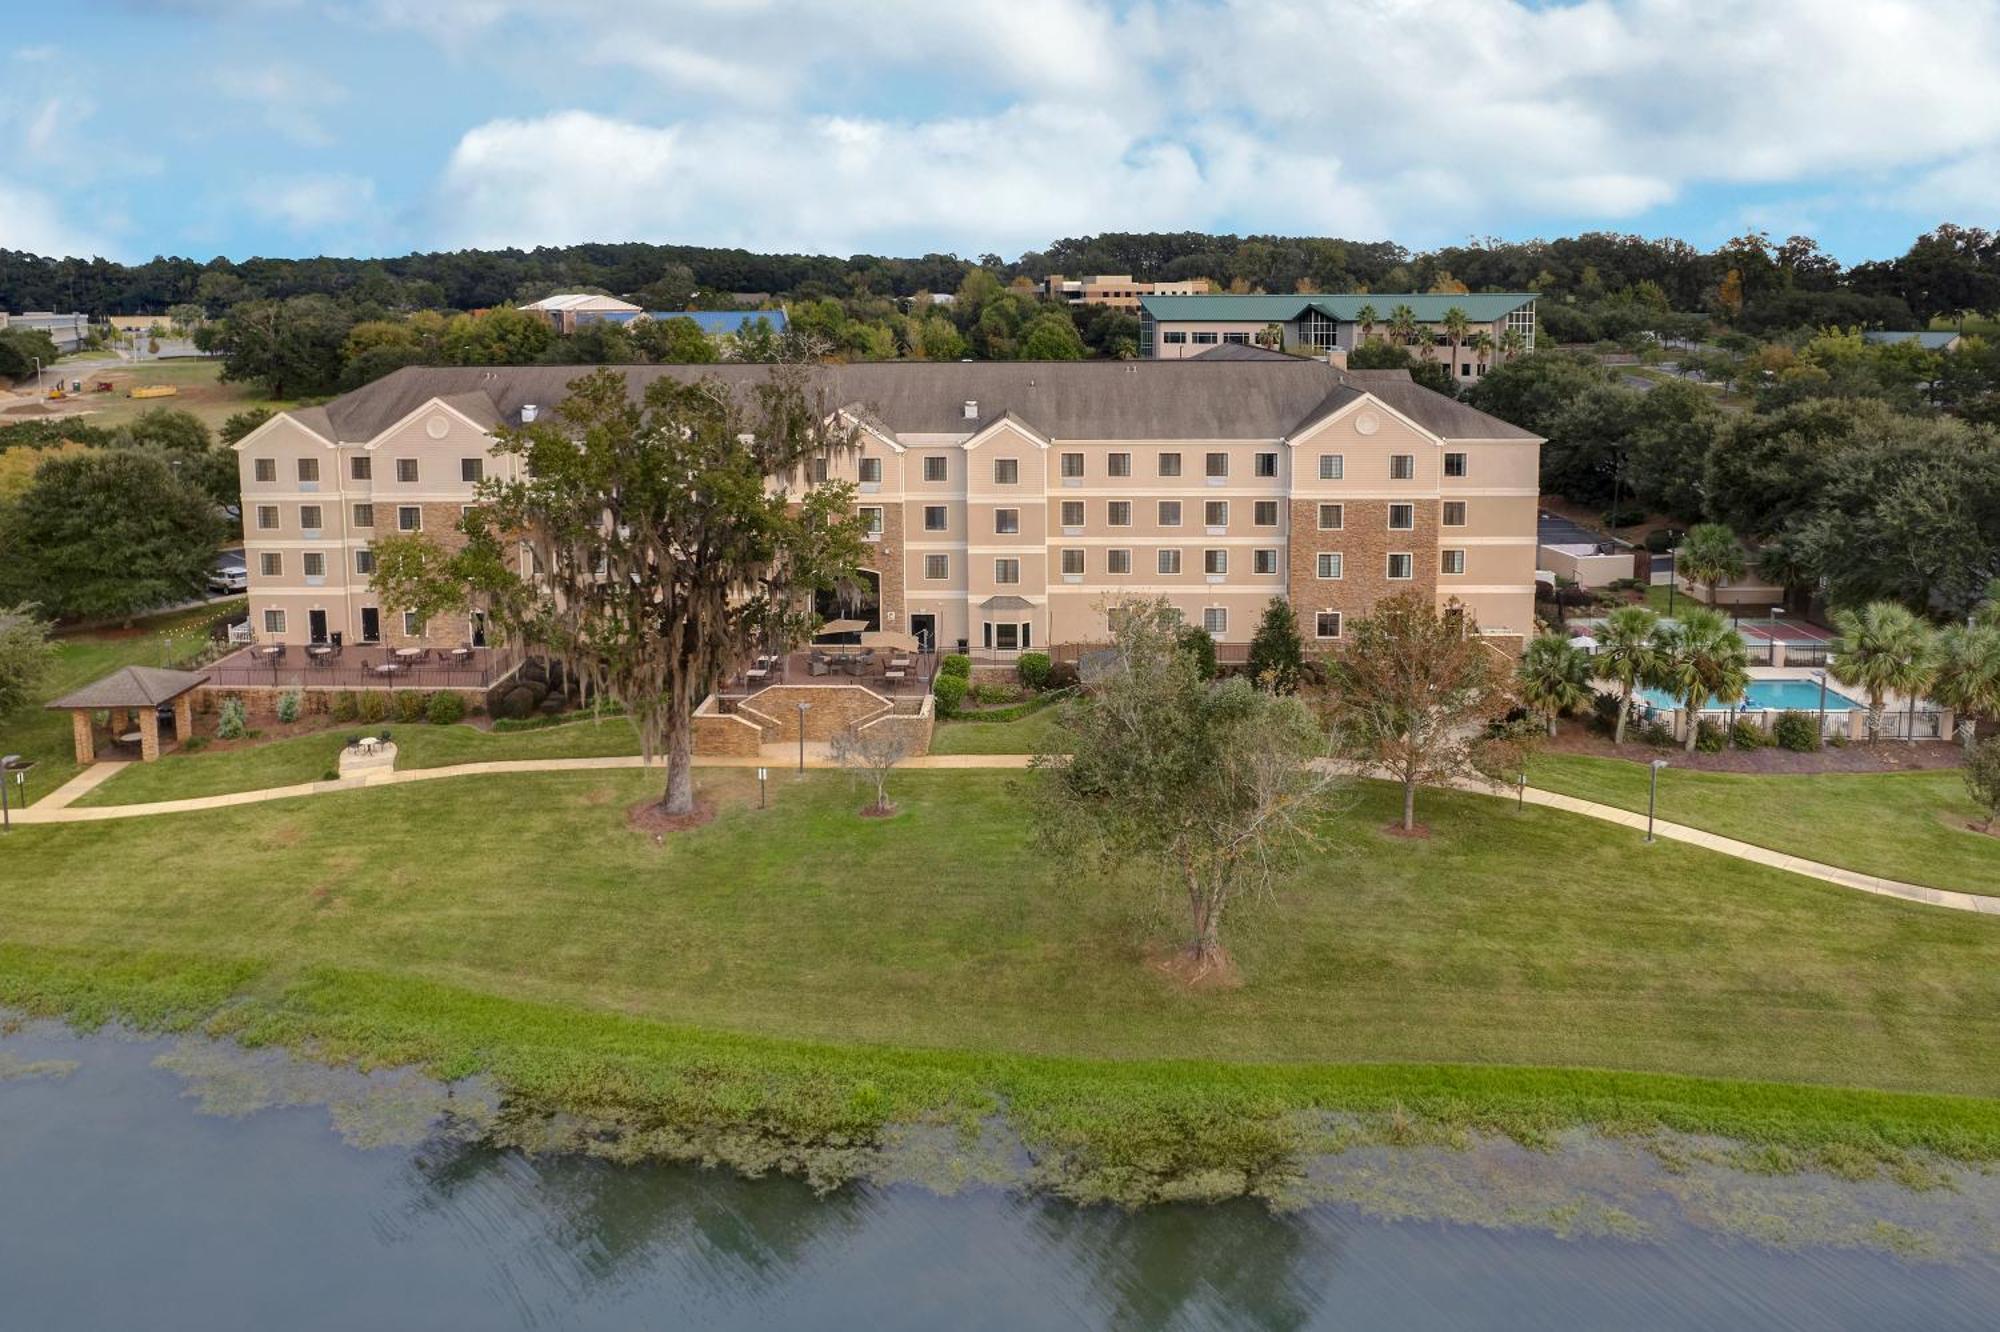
585	301
132	687
1240	351
1428	307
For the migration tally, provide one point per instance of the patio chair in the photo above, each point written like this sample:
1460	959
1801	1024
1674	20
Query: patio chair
817	665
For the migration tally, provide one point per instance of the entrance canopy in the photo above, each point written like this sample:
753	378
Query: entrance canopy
1006	603
138	692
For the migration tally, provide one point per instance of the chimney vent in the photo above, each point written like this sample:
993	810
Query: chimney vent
971	410
528	410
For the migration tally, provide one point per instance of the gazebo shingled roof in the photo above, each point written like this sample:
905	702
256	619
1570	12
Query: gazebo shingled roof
132	687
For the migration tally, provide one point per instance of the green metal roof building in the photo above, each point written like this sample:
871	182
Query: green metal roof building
1180	326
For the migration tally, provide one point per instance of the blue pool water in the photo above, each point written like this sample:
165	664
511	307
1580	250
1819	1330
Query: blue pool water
1776	695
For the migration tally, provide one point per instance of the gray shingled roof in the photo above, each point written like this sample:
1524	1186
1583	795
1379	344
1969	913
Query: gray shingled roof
1240	351
1185	399
132	687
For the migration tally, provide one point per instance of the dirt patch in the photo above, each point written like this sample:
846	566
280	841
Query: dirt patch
1216	972
647	817
1888	756
1418	833
1978	826
878	811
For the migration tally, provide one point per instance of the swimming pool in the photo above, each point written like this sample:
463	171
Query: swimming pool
1771	695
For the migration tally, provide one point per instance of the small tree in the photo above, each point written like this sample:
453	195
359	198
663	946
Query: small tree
1212	785
1711	555
1553	677
1415	686
1881	647
1982	778
1698	657
1625	657
873	751
1967	677
26	656
1277	653
1199	645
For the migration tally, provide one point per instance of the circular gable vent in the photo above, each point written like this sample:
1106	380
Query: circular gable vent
1367	423
437	427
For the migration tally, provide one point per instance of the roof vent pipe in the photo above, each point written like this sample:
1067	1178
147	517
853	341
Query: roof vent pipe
528	410
971	410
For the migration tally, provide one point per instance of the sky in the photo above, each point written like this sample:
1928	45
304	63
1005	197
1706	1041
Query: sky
130	128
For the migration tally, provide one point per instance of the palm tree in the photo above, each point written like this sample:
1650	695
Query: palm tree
1403	325
1367	318
1457	327
1482	347
1787	561
1967	678
1881	647
1699	658
1625	656
1512	343
1554	676
1712	555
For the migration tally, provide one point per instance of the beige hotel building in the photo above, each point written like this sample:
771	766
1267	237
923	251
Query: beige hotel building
1008	503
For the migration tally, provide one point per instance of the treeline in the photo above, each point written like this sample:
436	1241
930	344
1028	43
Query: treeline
1752	282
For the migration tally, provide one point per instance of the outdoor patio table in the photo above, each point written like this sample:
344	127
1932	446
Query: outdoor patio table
756	673
129	738
408	654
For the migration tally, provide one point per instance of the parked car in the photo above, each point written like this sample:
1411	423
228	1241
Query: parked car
225	579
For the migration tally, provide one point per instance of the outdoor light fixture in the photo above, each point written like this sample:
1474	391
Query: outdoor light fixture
803	707
1653	796
10	766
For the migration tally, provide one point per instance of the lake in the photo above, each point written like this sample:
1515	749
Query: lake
174	1184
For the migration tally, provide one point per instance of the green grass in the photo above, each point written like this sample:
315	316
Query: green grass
1899	825
308	758
808	973
43	736
202	392
1024	735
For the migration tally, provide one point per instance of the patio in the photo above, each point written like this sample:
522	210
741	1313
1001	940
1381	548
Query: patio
885	671
375	666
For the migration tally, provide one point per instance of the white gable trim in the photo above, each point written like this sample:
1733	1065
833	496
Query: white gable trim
429	405
239	445
1372	401
861	424
1012	423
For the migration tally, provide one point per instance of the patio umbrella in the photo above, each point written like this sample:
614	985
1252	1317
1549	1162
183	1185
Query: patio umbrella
841	627
887	639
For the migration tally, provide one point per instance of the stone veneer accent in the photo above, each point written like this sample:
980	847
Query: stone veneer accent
1365	543
888	558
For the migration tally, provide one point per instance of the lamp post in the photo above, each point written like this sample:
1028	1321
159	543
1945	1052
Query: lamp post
1653	797
803	708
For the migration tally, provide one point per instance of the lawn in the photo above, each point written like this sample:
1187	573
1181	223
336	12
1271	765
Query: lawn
308	758
1024	735
776	987
44	737
1900	825
201	391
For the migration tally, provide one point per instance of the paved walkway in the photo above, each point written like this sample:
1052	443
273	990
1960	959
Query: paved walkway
92	777
55	808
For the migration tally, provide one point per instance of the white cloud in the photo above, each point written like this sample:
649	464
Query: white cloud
316	202
291	100
30	221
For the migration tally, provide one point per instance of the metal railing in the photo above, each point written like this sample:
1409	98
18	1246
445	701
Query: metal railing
361	668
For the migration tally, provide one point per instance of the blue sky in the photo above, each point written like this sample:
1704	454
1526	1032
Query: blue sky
282	127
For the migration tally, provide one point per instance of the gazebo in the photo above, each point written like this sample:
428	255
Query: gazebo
138	692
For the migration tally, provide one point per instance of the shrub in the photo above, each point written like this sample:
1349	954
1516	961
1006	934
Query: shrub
234	723
1656	733
444	708
370	706
330	775
1622	517
344	708
1982	778
984	693
1746	734
516	703
1033	668
950	692
1063	675
410	705
1795	731
1199	644
288	706
958	664
1709	737
194	744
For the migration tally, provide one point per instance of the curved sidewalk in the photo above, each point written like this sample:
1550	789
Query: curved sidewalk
46	813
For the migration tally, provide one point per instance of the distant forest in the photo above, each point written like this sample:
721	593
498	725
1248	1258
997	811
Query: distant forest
1753	283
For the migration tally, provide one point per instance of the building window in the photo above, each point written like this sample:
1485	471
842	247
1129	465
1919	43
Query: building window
361	467
1264	561
309	517
936	467
1072	465
1205	339
1240	339
1170	513
1264	513
1401	567
1118	513
313	564
472	470
1330	517
274	622
1007	522
1072	513
1454	513
1267	464
1006	637
871	519
1326	624
1215	513
1402	517
1170	464
1215	562
871	471
1174	337
409	518
1118	561
1216	620
412	626
934	518
267	517
1119	464
1402	466
1007	571
1329	564
1218	464
1453	562
1006	471
270	564
816	471
937	567
309	471
364	562
267	469
406	470
1454	464
1332	466
1072	562
1170	562
364	515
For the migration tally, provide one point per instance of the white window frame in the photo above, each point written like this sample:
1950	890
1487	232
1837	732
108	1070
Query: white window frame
270	564
408	465
1332	466
1215	620
1168	555
1072	507
1072	466
1264	560
869	471
1330	560
1409	512
937	467
1402	467
1409	564
1006	522
872	519
1209	511
1007	572
942	514
264	471
1215	562
1455	464
412	626
1169	464
364	562
937	567
1160	513
1115	556
1449	557
1118	464
362	515
1006	471
267	511
1113	509
1339	523
402	509
1445	518
274	620
476	467
1319	624
361	467
1072	556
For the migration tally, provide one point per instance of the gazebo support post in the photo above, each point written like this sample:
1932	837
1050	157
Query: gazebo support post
149	734
86	742
183	719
